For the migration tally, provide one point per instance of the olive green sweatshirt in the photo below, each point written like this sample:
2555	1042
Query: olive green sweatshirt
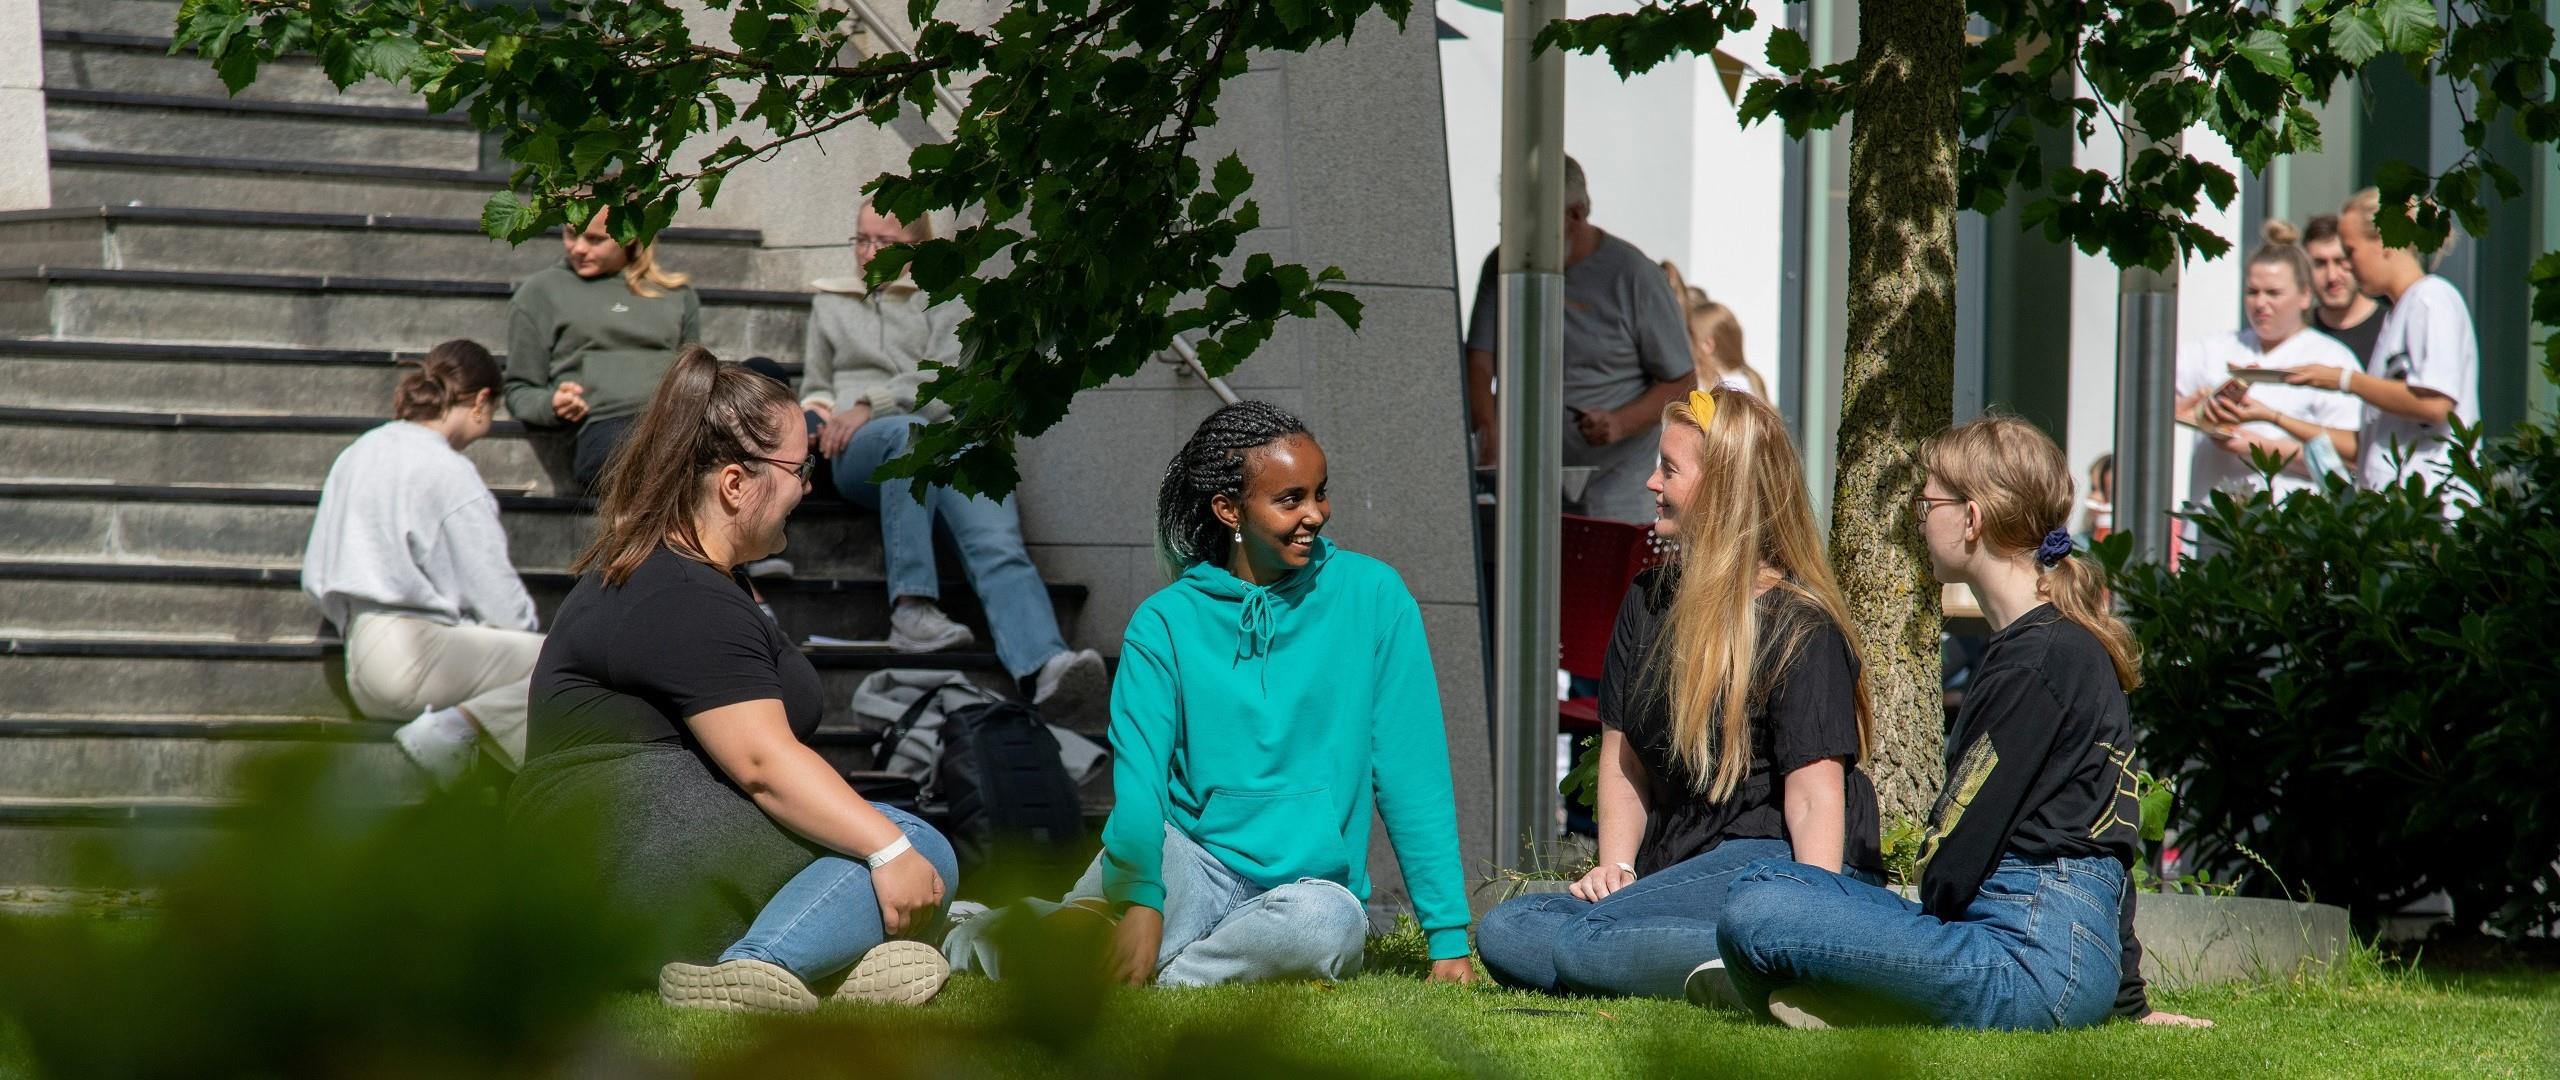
597	333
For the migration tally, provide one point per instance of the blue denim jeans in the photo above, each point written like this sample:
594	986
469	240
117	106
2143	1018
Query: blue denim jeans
1641	941
826	917
1218	928
988	533
2035	951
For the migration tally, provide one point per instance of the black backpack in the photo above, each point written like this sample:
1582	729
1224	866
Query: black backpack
999	778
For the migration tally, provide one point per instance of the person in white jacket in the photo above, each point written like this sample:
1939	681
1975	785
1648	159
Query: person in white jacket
869	352
407	559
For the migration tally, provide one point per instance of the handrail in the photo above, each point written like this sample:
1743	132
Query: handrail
887	34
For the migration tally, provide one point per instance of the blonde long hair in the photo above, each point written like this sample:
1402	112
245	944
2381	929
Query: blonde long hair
2013	471
642	274
1715	326
1750	510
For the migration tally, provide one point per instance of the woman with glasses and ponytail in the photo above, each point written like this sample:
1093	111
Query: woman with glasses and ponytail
671	714
2025	915
1734	718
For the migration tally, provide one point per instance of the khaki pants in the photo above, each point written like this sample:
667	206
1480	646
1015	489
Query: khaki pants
399	666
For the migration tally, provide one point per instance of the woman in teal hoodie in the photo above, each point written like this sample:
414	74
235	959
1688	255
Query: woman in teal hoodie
1270	702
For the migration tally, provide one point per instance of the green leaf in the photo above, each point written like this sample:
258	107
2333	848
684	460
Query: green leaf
1230	179
1788	52
502	52
392	58
2355	36
2266	50
507	216
2408	26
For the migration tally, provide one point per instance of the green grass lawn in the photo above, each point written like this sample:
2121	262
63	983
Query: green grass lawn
2478	1025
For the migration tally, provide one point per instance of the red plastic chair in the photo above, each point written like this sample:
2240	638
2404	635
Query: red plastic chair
1597	561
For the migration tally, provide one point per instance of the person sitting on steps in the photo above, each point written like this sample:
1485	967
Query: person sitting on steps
867	355
588	339
1271	702
407	560
1734	717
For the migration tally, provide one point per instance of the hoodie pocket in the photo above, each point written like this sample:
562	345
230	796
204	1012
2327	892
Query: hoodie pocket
1276	837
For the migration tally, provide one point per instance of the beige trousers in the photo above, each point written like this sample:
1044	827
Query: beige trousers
399	666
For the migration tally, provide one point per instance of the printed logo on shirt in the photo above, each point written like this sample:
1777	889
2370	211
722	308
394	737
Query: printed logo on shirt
1962	786
2128	798
2396	369
618	307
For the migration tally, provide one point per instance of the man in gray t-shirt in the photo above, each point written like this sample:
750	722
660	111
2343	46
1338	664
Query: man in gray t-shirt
1626	355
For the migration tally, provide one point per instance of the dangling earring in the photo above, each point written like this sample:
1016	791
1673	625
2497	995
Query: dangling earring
1239	536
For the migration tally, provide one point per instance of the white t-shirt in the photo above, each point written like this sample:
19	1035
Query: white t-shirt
2427	342
2205	364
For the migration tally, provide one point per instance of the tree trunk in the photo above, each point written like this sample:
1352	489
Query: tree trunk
1898	377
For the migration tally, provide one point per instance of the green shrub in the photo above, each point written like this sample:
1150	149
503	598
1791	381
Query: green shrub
2364	691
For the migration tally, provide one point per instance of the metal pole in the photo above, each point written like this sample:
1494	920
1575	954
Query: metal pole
2146	366
1529	404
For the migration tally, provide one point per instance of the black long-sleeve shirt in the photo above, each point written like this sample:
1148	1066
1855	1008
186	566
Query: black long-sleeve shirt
2039	765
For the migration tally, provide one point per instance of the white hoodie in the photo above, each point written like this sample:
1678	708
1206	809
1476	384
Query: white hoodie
406	526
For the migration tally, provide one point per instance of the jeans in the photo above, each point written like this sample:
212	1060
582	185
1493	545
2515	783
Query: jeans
826	917
2035	951
1218	928
987	532
1640	941
592	446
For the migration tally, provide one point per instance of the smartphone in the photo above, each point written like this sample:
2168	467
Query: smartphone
2234	391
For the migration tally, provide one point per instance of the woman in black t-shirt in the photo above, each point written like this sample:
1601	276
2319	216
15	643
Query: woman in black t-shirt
668	713
2023	920
1734	719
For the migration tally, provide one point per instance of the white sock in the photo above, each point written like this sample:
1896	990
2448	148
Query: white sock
451	724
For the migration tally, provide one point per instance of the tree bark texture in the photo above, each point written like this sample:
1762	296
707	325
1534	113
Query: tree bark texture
1898	377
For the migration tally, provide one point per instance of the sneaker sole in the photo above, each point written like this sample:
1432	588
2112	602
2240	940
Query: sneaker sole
1794	1014
1078	691
734	986
1711	988
911	645
896	973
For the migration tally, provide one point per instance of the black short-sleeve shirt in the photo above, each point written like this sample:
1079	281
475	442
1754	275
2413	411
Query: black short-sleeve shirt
1807	713
627	664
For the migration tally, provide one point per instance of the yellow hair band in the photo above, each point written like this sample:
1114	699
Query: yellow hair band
1702	406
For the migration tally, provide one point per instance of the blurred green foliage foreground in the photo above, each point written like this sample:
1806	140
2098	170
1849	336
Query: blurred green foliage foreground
323	938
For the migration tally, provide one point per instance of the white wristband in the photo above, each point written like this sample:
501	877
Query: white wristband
881	858
2346	380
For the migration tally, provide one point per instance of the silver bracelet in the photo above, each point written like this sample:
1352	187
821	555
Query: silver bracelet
881	858
1630	868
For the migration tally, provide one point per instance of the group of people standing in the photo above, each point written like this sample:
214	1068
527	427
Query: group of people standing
2355	363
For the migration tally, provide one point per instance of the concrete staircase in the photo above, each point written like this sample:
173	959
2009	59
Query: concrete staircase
209	314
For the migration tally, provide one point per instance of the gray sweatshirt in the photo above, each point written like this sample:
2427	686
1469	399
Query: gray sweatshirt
406	526
870	346
594	332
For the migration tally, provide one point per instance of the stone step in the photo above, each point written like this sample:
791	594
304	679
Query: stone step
126	375
142	63
256	604
121	178
249	241
154	676
305	131
139	17
184	757
330	312
61	843
270	451
266	527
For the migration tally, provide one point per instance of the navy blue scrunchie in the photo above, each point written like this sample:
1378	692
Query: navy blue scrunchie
2055	548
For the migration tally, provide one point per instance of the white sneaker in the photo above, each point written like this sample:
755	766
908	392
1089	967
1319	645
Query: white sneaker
441	741
922	627
1069	684
775	567
1710	986
734	986
896	973
1799	1008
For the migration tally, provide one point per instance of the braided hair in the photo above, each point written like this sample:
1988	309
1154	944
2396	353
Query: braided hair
1212	463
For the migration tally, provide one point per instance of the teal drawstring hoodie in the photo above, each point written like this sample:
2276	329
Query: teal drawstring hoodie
1270	725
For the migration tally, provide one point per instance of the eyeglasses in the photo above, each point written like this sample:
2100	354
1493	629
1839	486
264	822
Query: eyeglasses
875	243
1922	504
804	466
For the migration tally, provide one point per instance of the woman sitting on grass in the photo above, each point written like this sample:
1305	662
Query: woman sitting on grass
1269	703
669	713
2024	920
1734	718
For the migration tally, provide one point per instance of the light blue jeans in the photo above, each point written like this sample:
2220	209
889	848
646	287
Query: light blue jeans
1640	941
1218	928
826	917
988	533
2035	951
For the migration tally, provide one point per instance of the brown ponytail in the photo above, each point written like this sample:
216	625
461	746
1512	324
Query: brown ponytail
450	374
2018	477
705	414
